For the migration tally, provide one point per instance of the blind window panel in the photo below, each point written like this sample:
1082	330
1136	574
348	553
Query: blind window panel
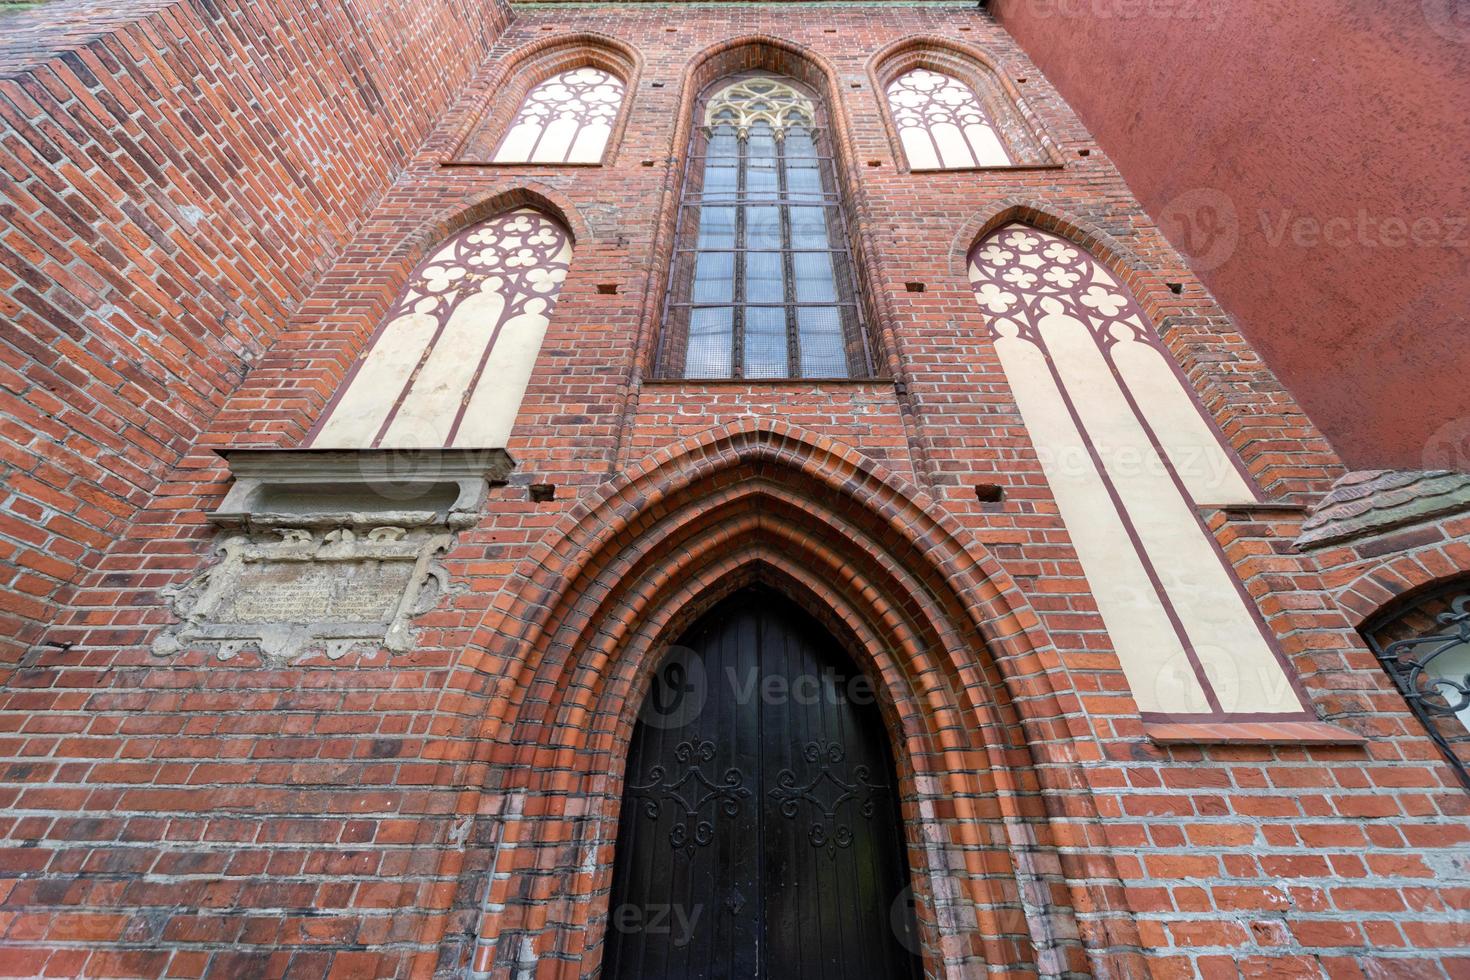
566	119
941	123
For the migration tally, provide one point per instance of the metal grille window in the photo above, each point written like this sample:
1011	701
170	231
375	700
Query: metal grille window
1426	650
762	282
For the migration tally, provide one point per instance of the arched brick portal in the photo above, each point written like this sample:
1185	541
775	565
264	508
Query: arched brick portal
970	691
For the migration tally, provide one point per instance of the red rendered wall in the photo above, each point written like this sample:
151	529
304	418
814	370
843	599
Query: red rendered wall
1333	142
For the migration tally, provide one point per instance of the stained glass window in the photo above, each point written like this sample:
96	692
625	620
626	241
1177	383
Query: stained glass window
762	281
566	119
941	123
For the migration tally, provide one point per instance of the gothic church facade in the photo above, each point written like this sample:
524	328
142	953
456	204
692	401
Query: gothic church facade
674	490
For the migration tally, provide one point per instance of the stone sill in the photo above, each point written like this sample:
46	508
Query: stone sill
520	164
1284	732
993	168
1260	509
764	382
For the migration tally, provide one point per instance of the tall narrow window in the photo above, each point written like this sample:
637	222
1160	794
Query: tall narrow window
565	119
942	124
762	283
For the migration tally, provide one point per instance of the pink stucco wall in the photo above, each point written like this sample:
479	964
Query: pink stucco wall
1313	158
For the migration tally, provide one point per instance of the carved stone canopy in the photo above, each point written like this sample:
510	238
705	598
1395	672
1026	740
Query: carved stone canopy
330	550
333	487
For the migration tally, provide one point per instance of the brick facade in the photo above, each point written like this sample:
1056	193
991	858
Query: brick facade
177	178
452	810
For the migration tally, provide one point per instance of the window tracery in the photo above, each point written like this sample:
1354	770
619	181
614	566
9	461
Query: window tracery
745	103
565	119
942	124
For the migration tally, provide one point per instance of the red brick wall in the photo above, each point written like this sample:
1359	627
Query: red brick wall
456	806
175	177
1311	154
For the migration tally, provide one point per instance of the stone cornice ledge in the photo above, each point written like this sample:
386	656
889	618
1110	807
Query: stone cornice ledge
1373	502
351	487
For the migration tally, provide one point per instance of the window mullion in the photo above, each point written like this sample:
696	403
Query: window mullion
788	266
737	312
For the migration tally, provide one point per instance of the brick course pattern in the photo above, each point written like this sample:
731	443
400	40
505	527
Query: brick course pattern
175	177
452	810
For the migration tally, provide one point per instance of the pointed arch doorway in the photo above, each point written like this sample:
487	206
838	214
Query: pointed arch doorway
760	834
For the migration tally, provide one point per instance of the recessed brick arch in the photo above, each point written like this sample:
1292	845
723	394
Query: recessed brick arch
1385	587
775	54
1240	396
972	693
486	203
981	71
1123	262
477	136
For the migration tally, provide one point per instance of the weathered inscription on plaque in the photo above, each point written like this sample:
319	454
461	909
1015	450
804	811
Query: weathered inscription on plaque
289	591
302	592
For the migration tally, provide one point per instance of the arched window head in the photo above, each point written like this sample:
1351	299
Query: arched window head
451	360
757	100
941	123
762	283
565	119
1426	651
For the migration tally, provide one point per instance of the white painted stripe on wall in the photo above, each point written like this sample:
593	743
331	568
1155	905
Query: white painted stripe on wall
359	414
1191	444
496	400
1238	659
919	149
1148	648
429	410
987	144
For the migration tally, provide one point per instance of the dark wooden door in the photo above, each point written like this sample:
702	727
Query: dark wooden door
760	833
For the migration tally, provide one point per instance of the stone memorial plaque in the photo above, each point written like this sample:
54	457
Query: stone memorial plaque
290	591
300	592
